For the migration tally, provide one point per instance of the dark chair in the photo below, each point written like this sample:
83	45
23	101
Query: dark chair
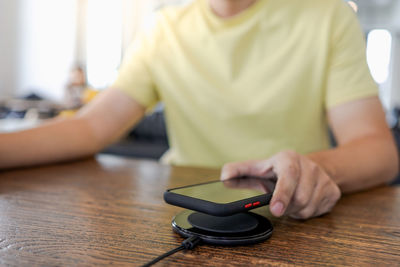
396	133
147	140
394	123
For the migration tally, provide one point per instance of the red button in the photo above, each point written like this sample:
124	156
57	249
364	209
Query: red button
248	205
256	203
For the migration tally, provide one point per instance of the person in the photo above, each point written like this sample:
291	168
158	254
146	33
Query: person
256	83
78	92
75	87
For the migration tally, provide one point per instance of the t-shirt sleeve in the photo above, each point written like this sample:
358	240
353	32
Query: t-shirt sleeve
349	77
134	76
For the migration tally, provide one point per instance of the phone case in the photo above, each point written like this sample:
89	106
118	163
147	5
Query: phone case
216	209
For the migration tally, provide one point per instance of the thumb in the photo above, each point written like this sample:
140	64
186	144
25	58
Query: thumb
259	168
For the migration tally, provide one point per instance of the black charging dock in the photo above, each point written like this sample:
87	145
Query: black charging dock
239	229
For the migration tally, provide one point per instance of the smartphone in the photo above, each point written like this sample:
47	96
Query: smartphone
223	198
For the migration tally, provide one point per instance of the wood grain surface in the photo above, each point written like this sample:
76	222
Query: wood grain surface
109	211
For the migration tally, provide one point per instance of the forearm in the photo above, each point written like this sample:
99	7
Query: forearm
360	164
58	140
95	126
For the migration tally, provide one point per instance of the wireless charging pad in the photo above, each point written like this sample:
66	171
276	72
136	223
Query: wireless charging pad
239	229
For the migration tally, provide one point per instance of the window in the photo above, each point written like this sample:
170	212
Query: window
104	41
46	47
379	45
54	36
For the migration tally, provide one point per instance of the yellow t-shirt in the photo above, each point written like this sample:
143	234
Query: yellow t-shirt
252	85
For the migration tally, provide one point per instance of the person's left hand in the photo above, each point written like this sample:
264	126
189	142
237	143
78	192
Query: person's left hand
303	189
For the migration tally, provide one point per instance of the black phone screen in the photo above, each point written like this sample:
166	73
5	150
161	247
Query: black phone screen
223	192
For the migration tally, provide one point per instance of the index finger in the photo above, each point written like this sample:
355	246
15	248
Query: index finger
288	171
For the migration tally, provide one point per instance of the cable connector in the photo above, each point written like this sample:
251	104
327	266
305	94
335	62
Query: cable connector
191	242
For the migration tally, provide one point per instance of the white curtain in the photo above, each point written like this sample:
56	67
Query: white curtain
46	46
44	39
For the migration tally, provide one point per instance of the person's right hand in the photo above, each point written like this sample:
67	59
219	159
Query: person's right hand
303	189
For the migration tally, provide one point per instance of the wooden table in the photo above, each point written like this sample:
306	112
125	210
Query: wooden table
110	211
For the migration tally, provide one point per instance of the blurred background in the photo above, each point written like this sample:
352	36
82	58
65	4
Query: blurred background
63	51
42	40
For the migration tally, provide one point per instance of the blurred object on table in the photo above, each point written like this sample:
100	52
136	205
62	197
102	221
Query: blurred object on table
31	106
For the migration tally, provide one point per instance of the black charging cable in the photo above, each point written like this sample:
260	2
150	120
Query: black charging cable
189	243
